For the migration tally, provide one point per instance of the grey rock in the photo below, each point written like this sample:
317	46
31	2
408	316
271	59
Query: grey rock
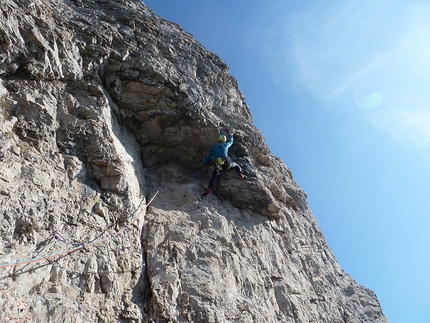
104	106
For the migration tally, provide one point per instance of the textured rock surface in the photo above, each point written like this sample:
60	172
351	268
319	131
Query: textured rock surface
104	105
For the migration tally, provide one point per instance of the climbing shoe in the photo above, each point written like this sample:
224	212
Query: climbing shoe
208	191
242	176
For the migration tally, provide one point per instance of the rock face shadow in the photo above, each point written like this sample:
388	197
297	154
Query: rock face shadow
103	103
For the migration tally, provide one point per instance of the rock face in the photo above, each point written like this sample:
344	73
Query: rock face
105	106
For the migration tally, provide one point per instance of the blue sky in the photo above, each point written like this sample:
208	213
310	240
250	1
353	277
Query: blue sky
341	92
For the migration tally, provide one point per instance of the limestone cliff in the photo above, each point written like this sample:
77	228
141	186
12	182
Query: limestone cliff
107	111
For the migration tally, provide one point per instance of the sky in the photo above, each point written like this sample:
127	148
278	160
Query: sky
341	92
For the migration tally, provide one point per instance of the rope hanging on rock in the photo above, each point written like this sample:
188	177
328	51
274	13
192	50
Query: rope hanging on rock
76	247
80	246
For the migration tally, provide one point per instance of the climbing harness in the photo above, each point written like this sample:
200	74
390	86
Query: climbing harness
223	161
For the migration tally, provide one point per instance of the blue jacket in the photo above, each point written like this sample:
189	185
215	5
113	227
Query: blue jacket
219	150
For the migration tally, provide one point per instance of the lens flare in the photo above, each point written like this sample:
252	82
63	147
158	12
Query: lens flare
373	100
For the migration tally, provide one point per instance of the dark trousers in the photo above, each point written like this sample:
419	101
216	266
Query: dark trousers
216	173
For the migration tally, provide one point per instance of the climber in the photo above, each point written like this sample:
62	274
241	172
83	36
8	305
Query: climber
222	161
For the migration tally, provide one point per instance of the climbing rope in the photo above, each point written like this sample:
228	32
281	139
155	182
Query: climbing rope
75	247
79	246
